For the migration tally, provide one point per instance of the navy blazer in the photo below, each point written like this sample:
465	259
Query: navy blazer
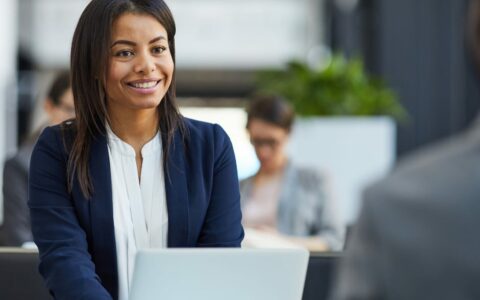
75	235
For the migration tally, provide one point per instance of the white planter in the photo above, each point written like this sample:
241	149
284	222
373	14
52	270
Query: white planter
353	151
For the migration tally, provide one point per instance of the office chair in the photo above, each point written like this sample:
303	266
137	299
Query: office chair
320	274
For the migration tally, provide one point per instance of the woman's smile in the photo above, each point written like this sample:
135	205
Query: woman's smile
144	86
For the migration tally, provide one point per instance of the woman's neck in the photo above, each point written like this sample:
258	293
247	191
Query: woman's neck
135	128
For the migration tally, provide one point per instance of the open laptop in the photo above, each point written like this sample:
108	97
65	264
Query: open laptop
219	274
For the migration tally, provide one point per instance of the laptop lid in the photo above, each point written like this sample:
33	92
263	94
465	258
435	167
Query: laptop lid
219	274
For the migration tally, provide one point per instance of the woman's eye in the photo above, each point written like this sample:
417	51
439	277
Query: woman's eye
124	53
159	50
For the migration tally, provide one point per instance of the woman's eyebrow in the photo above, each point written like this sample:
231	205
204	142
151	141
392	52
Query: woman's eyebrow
158	38
130	43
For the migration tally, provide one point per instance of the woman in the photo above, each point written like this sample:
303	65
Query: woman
129	172
281	198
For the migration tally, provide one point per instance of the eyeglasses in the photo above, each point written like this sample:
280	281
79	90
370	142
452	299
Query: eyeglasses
259	142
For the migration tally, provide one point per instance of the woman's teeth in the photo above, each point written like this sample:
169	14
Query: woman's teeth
144	85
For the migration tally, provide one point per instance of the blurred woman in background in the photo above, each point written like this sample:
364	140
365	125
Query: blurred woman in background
15	230
281	198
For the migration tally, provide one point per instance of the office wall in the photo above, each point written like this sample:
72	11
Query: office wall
418	47
211	34
8	44
423	55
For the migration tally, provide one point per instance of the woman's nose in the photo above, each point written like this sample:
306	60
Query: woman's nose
145	64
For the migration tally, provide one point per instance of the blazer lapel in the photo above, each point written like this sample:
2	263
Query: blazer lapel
176	190
101	211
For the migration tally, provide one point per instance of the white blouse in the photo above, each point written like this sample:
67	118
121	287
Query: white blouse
261	206
139	206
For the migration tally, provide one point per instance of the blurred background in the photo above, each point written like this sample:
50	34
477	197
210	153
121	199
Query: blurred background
415	48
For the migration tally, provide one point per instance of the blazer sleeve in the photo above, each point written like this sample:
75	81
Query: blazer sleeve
65	262
222	226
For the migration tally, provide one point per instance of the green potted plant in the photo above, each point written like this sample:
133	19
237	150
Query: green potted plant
345	125
341	88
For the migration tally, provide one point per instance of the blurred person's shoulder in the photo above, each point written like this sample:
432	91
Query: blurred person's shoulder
21	158
442	172
307	177
247	180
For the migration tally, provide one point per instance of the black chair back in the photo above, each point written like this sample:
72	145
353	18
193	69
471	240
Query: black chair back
320	275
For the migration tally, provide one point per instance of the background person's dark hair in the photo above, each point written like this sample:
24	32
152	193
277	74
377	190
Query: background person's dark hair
89	64
271	109
60	85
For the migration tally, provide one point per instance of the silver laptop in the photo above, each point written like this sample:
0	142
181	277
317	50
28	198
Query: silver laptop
219	274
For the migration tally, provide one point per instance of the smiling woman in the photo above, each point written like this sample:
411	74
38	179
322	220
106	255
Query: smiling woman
139	174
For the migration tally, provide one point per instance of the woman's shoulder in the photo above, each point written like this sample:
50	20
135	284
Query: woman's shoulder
199	126
209	139
58	136
49	135
66	127
204	131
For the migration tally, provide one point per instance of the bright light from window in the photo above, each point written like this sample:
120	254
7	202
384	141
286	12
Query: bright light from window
233	121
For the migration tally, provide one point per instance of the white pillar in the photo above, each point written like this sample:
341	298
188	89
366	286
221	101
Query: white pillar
8	84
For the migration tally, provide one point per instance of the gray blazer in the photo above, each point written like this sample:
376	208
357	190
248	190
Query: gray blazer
417	235
15	229
304	207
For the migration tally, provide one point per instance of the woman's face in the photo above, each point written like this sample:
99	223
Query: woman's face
269	142
140	66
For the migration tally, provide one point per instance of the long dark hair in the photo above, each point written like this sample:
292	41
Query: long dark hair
89	61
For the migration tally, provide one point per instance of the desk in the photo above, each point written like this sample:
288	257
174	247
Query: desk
20	280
